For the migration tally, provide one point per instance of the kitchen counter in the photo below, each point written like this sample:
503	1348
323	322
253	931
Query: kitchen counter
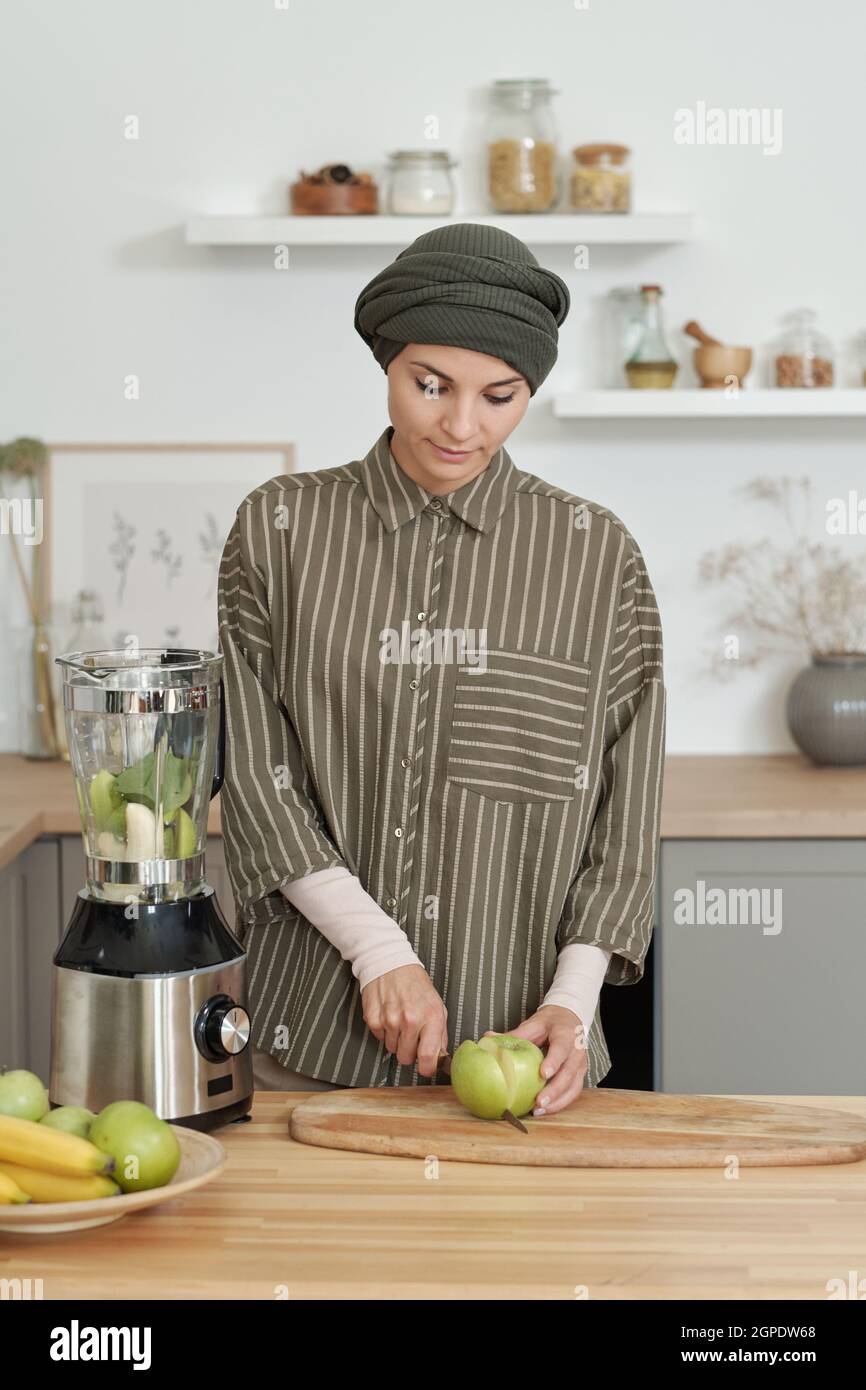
321	1223
763	796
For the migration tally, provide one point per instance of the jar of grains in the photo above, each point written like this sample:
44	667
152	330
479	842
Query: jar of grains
601	179
804	357
420	182
522	172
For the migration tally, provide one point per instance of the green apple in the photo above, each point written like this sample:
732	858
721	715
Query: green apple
145	1148
185	830
104	797
72	1119
497	1073
23	1095
117	821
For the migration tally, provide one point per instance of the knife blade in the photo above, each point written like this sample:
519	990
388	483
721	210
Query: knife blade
443	1063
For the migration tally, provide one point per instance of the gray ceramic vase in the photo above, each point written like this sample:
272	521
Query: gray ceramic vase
826	709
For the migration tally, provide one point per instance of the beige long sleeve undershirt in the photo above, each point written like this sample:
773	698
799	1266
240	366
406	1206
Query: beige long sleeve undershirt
338	905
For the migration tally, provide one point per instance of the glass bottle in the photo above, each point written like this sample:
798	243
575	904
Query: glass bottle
522	161
652	364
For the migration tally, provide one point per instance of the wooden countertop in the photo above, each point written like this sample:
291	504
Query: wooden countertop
767	796
320	1223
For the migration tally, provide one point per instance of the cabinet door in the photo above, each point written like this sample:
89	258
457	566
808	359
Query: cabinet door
43	917
29	932
13	968
770	1002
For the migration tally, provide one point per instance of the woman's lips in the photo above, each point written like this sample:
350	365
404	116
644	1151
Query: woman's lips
451	453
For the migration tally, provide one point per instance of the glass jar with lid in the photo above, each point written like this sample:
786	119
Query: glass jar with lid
522	158
601	178
419	182
804	357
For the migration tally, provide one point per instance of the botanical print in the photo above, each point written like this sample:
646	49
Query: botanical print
145	530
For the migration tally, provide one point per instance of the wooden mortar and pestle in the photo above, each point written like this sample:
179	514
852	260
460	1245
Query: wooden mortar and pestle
715	363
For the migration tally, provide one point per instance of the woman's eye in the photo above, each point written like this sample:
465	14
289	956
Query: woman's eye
435	392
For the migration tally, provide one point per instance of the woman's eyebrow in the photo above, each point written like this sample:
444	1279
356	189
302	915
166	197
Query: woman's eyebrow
445	377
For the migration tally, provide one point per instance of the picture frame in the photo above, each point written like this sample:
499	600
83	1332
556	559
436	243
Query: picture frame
142	527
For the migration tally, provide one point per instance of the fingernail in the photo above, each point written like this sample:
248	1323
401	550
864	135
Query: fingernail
540	1110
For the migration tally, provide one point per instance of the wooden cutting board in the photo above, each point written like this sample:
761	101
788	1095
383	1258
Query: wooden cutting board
603	1128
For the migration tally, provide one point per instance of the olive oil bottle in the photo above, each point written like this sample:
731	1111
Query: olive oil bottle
652	364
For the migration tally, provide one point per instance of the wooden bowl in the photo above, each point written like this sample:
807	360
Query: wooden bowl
333	199
202	1158
714	364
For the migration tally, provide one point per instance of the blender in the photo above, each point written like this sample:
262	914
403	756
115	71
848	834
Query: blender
148	982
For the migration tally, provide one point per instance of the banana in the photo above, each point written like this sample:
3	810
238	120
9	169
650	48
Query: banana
10	1191
40	1186
39	1146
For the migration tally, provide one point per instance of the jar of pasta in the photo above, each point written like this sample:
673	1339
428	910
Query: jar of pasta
804	357
522	158
601	179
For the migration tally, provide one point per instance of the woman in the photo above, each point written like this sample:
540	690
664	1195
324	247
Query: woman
445	712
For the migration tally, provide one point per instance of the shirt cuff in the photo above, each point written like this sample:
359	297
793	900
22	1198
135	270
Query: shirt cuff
338	905
580	972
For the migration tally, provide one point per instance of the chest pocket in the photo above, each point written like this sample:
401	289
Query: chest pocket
517	726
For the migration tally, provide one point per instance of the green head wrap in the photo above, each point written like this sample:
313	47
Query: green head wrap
471	286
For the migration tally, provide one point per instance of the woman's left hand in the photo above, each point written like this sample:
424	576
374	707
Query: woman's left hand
565	1065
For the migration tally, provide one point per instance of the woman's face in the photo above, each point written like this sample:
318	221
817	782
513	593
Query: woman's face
454	399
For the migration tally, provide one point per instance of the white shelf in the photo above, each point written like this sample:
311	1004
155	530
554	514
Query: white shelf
709	404
550	229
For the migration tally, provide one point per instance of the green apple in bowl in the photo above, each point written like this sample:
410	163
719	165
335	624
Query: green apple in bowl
72	1119
498	1073
145	1148
23	1095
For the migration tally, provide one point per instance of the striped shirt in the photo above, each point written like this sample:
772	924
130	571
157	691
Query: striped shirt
461	700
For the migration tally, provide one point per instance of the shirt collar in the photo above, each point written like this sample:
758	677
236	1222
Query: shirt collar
398	498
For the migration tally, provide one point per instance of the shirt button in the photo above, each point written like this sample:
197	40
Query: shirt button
436	503
421	617
398	832
407	762
392	902
413	685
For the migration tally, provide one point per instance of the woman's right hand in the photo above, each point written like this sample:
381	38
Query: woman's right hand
402	1009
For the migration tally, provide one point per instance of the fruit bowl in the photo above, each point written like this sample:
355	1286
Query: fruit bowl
202	1158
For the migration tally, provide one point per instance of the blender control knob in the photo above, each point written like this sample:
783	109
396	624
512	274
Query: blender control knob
222	1028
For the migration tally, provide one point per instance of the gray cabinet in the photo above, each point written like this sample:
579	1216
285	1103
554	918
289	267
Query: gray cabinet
770	1000
29	933
13	1017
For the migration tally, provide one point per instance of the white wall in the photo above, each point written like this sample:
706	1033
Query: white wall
235	98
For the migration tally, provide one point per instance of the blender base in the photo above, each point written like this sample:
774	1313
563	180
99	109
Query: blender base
144	1007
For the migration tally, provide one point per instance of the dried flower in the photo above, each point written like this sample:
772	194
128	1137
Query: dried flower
804	594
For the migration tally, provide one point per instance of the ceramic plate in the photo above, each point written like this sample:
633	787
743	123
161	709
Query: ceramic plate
201	1158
